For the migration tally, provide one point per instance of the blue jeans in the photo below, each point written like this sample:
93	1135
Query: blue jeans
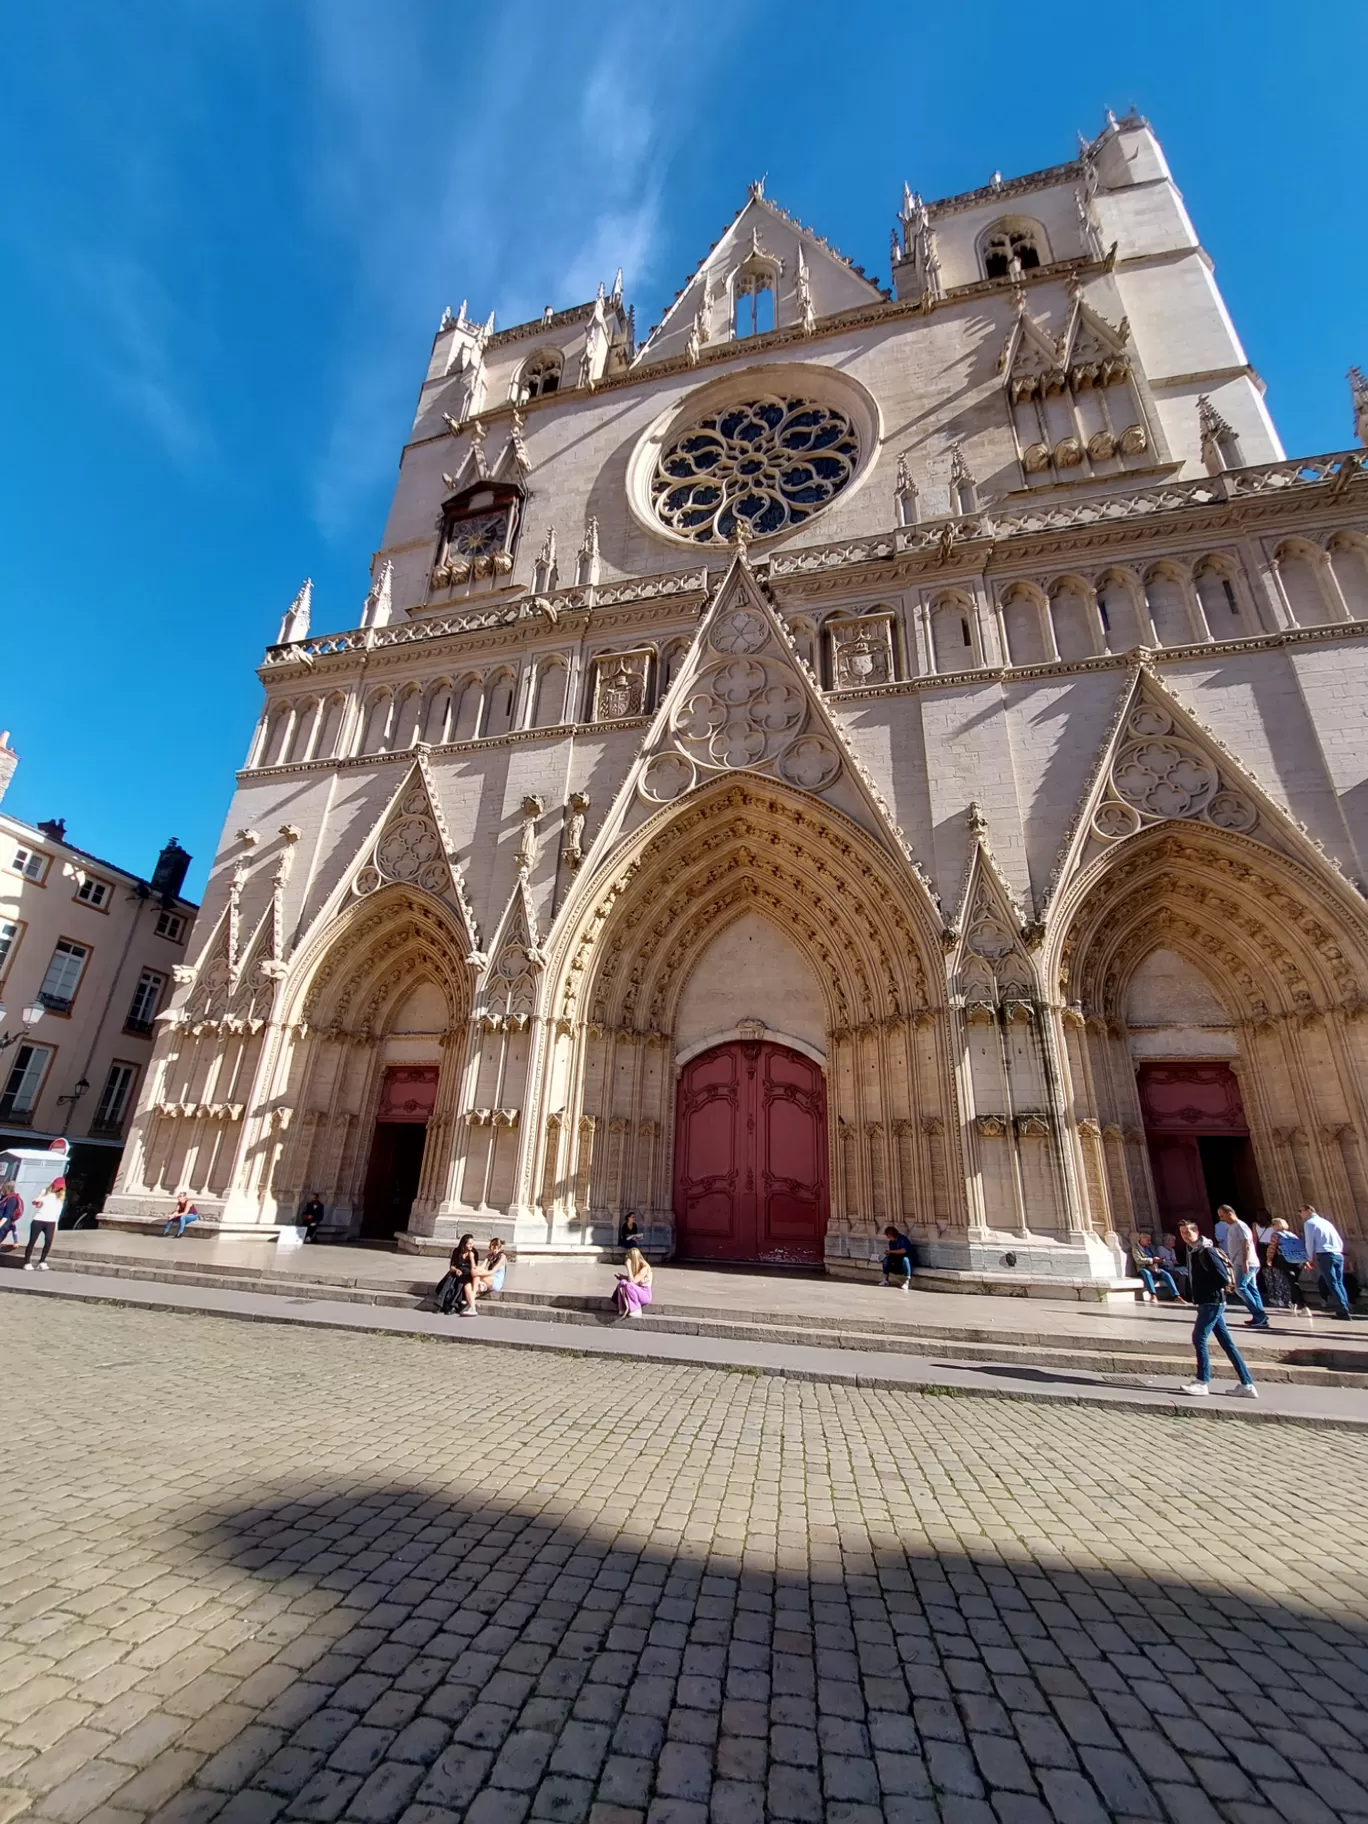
1247	1291
1148	1276
1331	1270
1211	1322
179	1223
897	1266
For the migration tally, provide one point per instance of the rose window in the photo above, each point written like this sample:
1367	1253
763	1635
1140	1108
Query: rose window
762	467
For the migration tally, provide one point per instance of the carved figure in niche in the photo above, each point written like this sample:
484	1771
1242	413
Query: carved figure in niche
573	847
861	653
620	686
532	808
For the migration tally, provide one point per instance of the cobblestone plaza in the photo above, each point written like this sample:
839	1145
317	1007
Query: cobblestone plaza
378	1579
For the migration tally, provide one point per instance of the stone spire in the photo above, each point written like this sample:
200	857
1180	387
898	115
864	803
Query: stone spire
1358	391
379	608
295	625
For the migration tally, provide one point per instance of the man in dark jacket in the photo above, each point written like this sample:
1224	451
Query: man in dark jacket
1210	1277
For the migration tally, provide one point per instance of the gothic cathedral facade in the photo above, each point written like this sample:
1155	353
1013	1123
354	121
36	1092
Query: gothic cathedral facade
859	755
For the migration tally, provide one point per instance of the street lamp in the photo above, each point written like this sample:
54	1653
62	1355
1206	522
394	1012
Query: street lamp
30	1015
82	1085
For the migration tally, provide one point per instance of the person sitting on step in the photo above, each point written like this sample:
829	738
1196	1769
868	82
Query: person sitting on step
633	1286
1149	1267
490	1277
182	1216
897	1260
456	1289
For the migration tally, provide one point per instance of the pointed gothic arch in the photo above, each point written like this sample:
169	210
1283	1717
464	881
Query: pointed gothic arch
1285	951
632	933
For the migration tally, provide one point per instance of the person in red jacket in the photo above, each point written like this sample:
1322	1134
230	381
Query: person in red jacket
11	1211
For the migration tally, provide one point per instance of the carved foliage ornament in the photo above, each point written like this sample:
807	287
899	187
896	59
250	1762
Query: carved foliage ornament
1157	774
760	467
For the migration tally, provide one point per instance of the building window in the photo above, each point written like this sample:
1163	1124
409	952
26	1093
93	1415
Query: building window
114	1099
1011	248
146	1000
63	976
92	892
754	306
767	464
172	925
31	863
25	1079
9	937
539	376
479	532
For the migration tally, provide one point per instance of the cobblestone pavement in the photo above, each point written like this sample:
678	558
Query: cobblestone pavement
259	1573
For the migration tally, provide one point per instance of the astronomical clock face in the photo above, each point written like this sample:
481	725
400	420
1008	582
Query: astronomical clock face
480	536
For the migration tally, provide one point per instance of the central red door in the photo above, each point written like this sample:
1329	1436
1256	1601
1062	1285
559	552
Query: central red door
750	1156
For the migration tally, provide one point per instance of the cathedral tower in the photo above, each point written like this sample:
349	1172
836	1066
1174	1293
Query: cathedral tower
863	754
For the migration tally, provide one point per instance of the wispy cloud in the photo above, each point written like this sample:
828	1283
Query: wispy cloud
138	331
516	158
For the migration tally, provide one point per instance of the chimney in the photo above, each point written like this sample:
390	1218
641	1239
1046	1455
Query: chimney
8	761
54	828
169	873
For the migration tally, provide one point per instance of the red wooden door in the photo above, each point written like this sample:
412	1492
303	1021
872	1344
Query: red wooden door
750	1156
1183	1106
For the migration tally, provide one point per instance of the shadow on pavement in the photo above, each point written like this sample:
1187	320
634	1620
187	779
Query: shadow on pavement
433	1660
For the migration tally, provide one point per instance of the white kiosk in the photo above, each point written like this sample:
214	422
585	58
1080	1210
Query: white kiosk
33	1169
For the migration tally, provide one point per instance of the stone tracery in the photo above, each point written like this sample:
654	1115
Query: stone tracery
760	467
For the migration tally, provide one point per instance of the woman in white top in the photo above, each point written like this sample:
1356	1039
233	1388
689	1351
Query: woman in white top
47	1213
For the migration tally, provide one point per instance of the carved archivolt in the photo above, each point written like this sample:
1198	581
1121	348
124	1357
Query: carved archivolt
738	846
1243	913
375	955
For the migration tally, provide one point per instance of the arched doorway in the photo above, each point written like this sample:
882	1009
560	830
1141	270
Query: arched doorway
408	1094
751	1156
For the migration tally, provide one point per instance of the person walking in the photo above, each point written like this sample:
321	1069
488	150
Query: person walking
1283	1258
47	1213
1325	1255
1210	1277
11	1211
1243	1256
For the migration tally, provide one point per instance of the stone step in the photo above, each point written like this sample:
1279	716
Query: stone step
1311	1363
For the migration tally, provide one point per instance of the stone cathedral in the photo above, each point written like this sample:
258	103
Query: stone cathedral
859	754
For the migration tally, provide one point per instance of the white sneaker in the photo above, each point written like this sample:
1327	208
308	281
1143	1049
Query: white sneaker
28	1266
884	1280
907	1285
1199	1390
467	1311
42	1266
1243	1391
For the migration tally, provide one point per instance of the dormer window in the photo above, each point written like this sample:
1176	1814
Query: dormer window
538	376
479	529
1011	248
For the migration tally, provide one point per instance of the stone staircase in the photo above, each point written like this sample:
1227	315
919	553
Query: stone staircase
1319	1360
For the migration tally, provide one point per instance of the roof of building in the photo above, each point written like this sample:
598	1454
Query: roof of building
43	840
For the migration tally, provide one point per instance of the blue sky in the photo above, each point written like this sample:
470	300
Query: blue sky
230	227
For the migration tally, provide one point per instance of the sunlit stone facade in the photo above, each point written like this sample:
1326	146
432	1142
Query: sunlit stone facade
858	755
